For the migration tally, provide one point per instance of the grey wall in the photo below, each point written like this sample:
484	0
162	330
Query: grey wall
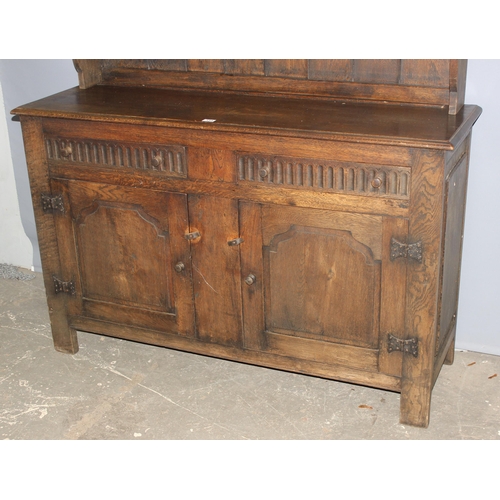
478	327
23	81
15	247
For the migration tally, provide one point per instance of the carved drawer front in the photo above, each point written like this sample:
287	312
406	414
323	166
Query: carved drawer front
170	160
325	175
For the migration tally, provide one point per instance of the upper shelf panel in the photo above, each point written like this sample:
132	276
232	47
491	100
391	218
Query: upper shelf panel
431	82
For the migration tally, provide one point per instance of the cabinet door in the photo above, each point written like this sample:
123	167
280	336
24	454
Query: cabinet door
320	285
215	260
125	251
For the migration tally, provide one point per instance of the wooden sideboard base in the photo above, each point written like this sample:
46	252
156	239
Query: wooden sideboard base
298	215
173	341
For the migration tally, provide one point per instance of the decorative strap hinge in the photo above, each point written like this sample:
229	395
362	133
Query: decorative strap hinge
61	286
409	345
52	203
406	250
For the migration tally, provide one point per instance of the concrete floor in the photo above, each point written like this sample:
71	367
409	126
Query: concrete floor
118	390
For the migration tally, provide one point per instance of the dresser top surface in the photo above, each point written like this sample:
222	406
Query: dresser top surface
390	124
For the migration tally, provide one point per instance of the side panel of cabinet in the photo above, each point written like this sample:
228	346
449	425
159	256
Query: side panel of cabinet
455	199
325	288
120	246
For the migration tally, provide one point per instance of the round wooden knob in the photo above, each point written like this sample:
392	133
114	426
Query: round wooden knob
179	267
156	161
263	172
66	150
377	182
250	279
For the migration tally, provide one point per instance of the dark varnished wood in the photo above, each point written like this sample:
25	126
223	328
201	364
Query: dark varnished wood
316	253
215	269
125	252
64	335
422	293
421	82
381	124
264	234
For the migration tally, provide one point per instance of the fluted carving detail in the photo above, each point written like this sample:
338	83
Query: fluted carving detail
170	160
340	177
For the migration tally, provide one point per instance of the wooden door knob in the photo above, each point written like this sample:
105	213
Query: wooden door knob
179	267
250	279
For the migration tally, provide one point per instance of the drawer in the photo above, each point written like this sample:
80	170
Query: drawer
167	159
324	175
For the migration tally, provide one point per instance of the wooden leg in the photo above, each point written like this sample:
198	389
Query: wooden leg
64	336
415	405
66	342
423	287
450	355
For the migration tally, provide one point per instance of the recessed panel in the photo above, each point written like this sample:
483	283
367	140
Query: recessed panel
122	252
324	284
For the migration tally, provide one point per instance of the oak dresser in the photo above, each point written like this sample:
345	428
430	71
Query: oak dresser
305	215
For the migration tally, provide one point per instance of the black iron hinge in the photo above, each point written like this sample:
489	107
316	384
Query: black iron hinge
52	203
408	345
61	286
406	250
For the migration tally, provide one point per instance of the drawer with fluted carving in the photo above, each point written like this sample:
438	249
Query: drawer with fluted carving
166	159
324	175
